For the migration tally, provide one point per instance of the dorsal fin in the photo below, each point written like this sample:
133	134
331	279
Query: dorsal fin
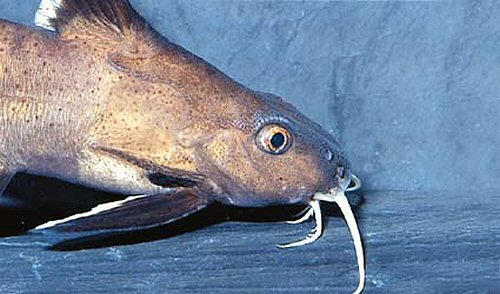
90	18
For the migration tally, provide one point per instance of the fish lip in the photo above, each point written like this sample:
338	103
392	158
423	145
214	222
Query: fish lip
343	186
329	195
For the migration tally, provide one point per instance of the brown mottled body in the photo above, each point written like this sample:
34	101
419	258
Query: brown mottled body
52	97
66	99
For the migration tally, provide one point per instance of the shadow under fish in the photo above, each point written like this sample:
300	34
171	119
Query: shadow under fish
43	199
96	97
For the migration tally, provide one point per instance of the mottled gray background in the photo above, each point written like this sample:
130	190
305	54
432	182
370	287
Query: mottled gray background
411	89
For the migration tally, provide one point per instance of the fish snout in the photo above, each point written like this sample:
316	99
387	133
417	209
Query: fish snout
347	181
338	167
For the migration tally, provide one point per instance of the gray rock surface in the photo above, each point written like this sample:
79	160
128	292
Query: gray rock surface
410	88
413	246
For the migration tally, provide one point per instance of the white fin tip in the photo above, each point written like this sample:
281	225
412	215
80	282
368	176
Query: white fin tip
96	210
47	11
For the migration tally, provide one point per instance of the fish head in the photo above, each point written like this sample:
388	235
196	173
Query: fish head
272	155
169	107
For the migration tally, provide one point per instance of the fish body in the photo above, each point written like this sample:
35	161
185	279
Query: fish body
99	98
107	115
51	101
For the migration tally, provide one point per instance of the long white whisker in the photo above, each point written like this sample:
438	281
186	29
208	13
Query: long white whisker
344	206
315	233
357	184
306	215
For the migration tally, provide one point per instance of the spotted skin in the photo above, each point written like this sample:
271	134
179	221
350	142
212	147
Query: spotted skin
67	95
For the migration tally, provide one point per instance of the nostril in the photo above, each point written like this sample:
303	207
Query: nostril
341	171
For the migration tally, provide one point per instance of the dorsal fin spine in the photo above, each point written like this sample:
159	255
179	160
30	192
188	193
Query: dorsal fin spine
86	17
46	13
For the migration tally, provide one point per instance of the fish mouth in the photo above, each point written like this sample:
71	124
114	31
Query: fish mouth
335	195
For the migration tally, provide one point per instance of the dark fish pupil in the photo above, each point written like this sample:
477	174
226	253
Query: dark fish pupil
278	140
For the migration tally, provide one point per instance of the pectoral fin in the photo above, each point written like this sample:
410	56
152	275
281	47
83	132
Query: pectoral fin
134	213
6	175
158	175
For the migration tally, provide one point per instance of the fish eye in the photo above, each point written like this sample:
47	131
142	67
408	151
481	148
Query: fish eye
274	139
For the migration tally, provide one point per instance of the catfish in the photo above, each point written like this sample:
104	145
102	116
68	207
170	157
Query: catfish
93	95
